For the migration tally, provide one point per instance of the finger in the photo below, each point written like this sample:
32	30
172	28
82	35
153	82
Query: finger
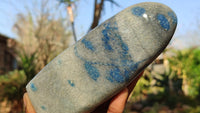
27	103
132	85
117	104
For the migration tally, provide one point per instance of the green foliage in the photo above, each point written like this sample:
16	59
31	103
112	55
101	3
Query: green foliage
156	87
11	85
69	2
178	87
186	64
28	65
169	82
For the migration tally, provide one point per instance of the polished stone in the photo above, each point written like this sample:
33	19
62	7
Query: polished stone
104	61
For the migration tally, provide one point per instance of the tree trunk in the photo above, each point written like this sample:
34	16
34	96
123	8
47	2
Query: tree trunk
70	12
97	13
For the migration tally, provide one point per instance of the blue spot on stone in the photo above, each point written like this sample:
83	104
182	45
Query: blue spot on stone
109	78
119	67
106	39
59	61
43	107
126	74
88	44
138	11
92	71
124	62
116	75
33	87
135	66
164	23
124	53
173	16
124	47
71	83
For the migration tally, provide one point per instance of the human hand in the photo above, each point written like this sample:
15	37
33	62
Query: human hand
114	105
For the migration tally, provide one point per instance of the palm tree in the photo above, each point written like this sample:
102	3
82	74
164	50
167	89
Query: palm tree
68	4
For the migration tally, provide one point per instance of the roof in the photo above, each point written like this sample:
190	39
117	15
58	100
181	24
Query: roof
3	37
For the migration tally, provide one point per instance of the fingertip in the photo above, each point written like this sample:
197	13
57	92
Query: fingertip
118	102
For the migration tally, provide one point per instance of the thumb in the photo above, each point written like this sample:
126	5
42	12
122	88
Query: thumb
117	104
27	104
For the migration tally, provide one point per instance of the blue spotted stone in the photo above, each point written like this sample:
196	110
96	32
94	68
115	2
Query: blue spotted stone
110	35
104	62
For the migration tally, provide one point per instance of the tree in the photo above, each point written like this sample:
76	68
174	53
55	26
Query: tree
68	4
41	36
98	8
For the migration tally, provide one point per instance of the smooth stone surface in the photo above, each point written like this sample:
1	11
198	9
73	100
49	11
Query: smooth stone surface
104	62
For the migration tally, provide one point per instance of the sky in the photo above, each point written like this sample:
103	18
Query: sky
187	12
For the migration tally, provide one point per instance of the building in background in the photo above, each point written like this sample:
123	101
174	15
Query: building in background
8	60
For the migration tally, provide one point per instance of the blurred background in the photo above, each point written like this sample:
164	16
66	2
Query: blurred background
33	32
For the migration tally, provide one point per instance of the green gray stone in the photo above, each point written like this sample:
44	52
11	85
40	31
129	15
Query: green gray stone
104	61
